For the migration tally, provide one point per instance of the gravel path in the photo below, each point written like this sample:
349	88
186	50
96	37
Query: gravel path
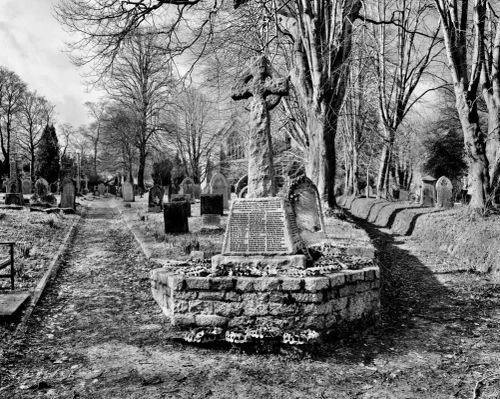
98	334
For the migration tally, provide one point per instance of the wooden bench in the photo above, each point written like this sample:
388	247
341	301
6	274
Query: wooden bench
6	262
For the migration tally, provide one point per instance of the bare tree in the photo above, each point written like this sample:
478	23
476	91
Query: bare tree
142	83
94	130
35	113
194	135
118	134
12	91
405	46
466	60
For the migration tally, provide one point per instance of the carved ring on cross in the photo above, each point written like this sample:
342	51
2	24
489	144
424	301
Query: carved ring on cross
256	81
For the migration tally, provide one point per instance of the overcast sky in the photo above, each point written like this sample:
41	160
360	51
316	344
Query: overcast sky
32	44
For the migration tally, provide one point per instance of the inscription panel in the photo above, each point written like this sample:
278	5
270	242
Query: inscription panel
261	226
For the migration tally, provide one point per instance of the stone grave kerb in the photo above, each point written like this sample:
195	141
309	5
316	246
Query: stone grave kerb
256	82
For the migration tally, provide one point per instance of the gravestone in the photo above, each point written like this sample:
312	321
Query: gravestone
184	200
26	185
262	227
42	196
188	187
306	204
155	199
220	185
240	185
68	194
256	82
128	192
197	191
404	195
175	217
444	193
211	204
101	188
428	194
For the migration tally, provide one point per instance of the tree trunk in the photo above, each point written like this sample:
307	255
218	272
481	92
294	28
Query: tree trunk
493	151
321	158
142	168
475	147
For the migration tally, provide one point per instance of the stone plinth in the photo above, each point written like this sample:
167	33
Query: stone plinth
327	304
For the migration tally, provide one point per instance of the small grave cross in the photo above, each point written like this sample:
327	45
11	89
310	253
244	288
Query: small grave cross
256	81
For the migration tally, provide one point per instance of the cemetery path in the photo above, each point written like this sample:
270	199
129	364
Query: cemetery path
97	333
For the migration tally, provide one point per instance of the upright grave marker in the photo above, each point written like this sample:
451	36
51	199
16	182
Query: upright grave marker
68	194
428	196
220	185
128	192
188	187
155	199
42	196
175	217
444	193
26	185
306	204
102	189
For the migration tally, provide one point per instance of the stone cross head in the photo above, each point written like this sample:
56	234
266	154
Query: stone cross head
256	81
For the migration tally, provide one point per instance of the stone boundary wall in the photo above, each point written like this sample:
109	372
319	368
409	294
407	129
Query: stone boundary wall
327	304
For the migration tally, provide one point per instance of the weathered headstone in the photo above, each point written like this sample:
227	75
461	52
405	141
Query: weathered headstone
306	204
211	204
26	185
68	194
256	82
42	196
101	188
185	201
444	193
220	185
175	217
404	195
128	192
262	227
240	185
155	199
428	196
188	187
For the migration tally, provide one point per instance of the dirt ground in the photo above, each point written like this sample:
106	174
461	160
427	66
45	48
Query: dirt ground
97	333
